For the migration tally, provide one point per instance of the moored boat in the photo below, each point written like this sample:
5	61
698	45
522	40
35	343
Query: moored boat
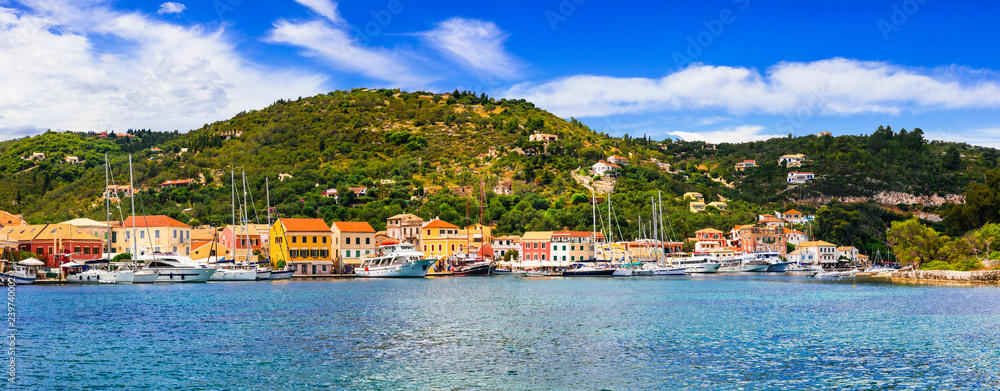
282	274
393	260
21	273
174	268
582	270
93	272
696	264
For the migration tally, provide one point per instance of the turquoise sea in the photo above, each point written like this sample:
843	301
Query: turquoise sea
510	333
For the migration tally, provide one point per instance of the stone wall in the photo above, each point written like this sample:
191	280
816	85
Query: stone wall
982	276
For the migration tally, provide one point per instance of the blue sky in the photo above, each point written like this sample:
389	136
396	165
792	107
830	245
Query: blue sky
723	70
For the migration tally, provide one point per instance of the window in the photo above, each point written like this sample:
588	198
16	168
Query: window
314	239
368	240
40	250
453	248
293	253
96	251
543	257
570	247
324	240
428	232
440	248
156	233
314	253
357	253
425	248
324	253
86	250
324	267
293	239
573	258
543	246
304	239
534	245
142	234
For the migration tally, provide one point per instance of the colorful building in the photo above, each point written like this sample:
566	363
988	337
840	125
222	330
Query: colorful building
352	241
754	238
536	246
709	239
405	227
241	239
54	244
302	244
152	233
441	239
573	246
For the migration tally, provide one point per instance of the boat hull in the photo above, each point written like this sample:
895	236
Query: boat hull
101	277
675	271
145	277
622	272
18	278
263	275
415	269
702	268
233	275
282	274
185	275
589	273
778	267
641	273
474	270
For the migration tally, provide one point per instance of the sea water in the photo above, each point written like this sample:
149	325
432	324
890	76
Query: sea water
509	333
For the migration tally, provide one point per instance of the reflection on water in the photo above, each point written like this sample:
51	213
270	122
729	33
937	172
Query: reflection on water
714	332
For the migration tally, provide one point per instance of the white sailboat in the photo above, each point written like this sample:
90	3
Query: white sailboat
101	271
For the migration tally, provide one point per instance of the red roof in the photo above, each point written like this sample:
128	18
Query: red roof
577	234
178	182
608	164
154	221
438	223
304	225
793	212
350	226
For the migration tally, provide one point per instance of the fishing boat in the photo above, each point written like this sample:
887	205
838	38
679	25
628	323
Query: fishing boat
21	273
470	264
393	259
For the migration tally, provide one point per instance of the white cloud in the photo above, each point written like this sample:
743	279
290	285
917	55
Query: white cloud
830	87
57	74
326	8
337	46
171	8
988	137
475	44
736	134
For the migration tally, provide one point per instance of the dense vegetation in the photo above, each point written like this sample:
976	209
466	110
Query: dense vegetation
430	154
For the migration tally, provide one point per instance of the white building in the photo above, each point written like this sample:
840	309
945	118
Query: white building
614	159
848	252
503	244
795	237
792	160
824	252
602	168
800	177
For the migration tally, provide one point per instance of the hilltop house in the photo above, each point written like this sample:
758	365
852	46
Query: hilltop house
176	184
796	177
7	219
602	168
614	159
696	207
694	196
792	160
745	164
543	137
72	160
37	156
793	216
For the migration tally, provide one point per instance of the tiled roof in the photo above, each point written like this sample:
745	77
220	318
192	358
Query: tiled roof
709	231
154	221
47	232
537	235
793	212
438	223
577	234
304	225
405	216
351	226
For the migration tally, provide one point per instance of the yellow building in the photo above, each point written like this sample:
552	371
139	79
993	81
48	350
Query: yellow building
209	250
303	244
477	234
439	239
352	241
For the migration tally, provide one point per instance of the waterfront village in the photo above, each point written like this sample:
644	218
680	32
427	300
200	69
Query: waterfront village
311	247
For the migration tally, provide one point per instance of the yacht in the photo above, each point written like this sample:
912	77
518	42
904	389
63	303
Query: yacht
393	259
582	270
696	264
93	272
173	267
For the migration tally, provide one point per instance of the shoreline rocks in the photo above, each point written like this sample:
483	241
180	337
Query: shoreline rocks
978	276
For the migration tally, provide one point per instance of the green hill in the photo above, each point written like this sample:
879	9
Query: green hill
427	154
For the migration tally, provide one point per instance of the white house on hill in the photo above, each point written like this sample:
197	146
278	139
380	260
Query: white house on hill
601	168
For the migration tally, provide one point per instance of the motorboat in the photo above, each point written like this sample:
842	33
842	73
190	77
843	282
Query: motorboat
696	264
470	264
282	274
173	267
21	273
99	271
392	259
836	274
585	270
802	269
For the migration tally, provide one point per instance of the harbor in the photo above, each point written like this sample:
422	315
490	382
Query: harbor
697	332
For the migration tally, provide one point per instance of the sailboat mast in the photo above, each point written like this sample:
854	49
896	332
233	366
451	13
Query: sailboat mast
246	217
107	203
131	185
663	248
593	225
